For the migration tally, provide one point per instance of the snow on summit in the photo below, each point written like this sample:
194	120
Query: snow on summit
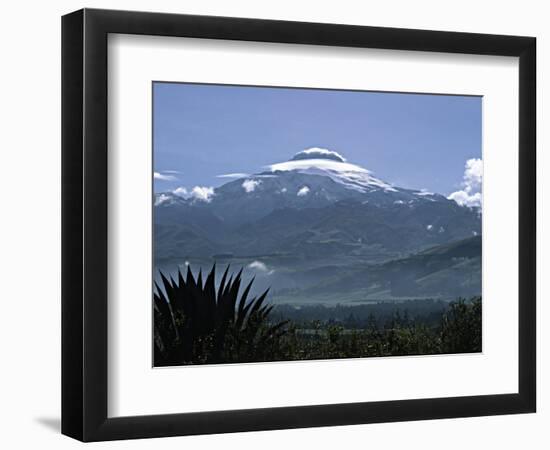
320	161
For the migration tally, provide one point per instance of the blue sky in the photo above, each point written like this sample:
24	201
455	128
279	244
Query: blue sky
412	141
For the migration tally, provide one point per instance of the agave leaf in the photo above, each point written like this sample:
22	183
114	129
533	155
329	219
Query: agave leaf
212	325
199	279
232	288
259	302
160	293
222	282
245	295
233	293
209	285
168	288
190	281
209	294
223	300
210	282
228	286
242	314
165	325
227	302
162	305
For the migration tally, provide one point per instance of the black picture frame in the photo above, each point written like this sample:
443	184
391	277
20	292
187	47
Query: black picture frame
84	224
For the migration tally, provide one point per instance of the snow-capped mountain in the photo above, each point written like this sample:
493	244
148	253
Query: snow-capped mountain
313	178
320	161
300	217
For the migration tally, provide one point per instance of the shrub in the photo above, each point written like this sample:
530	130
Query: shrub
461	327
194	324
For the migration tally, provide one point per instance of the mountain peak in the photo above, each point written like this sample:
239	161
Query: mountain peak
318	153
320	161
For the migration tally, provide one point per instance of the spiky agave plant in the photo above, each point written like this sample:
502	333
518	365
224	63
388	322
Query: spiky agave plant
194	324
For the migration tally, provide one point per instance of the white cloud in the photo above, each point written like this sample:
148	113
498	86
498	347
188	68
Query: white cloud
316	152
470	194
201	193
161	198
424	192
260	267
303	191
429	227
473	174
463	198
250	185
181	192
233	175
163	176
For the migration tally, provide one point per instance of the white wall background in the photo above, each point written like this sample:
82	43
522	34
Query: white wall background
30	223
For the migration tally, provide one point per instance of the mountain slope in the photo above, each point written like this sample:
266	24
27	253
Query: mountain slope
314	220
446	271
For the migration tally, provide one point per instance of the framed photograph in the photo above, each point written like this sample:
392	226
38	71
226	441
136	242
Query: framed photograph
273	224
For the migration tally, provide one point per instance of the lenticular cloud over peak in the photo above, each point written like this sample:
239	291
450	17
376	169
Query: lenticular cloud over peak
318	153
320	161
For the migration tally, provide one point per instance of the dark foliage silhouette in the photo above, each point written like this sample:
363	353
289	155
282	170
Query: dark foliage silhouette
461	327
195	324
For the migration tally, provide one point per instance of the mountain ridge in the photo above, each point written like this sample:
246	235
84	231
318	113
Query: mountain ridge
302	216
